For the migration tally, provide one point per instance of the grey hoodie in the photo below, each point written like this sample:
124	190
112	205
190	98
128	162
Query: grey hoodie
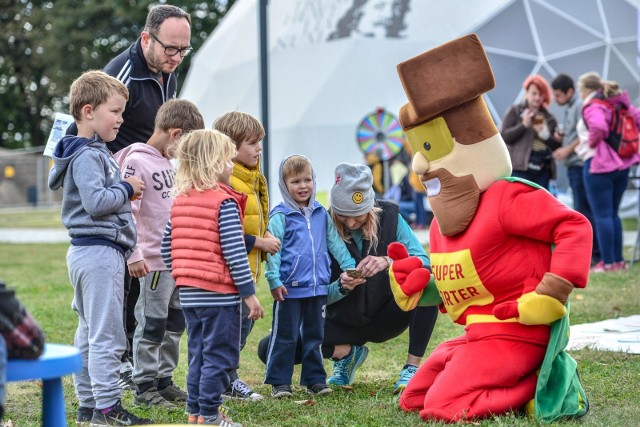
286	197
95	204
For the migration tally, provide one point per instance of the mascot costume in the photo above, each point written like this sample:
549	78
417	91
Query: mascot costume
505	255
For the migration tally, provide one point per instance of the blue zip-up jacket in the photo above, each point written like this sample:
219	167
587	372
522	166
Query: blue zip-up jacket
308	236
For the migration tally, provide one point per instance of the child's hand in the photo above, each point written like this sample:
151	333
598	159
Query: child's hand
279	293
138	269
137	184
255	309
270	245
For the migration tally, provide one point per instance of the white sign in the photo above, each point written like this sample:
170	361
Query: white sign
61	122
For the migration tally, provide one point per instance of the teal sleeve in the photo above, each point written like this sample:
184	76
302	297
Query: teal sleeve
333	294
337	247
272	274
405	235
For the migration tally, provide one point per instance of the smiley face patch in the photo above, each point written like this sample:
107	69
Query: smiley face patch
357	197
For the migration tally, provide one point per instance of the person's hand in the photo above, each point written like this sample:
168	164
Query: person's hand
279	293
349	283
527	117
270	245
407	277
562	152
372	265
137	184
255	309
531	309
138	269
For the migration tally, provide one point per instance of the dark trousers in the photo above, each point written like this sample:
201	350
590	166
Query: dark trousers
297	319
604	191
131	294
389	323
541	177
245	328
213	350
581	203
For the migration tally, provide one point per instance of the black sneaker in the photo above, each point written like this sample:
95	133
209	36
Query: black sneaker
125	382
240	390
117	417
317	389
84	416
280	391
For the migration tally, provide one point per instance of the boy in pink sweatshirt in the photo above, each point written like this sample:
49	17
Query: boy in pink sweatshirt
160	322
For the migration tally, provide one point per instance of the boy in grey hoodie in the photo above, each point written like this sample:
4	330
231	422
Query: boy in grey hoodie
97	212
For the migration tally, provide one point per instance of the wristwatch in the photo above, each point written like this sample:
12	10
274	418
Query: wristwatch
342	290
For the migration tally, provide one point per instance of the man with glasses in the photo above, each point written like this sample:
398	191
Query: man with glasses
147	68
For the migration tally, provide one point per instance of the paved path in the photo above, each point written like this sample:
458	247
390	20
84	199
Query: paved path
57	235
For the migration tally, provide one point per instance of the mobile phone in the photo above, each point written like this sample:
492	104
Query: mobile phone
354	272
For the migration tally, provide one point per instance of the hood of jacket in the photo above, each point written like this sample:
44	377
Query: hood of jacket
286	197
138	147
621	99
66	150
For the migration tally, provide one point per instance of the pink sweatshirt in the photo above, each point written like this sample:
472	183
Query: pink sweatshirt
152	211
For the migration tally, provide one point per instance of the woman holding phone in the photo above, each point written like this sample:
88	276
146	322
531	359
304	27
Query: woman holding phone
529	130
360	306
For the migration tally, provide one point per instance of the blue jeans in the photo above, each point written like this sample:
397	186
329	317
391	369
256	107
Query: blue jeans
604	191
581	202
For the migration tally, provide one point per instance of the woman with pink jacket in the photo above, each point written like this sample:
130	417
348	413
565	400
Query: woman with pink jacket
606	174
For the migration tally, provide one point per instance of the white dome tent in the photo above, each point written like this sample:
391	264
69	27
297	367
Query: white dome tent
332	62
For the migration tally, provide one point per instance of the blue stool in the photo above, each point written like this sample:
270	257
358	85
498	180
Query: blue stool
58	360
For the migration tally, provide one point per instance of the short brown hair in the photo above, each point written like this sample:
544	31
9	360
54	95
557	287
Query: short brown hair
93	88
179	114
160	13
294	165
239	127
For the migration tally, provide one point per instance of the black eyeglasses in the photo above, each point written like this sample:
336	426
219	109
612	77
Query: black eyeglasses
172	50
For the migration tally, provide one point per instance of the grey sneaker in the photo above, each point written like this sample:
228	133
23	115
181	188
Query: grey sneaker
125	382
173	393
319	389
84	416
240	390
344	370
218	420
117	417
280	391
152	397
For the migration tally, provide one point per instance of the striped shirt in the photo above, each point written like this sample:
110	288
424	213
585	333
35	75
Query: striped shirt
234	253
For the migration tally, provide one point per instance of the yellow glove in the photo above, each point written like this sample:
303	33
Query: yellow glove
531	309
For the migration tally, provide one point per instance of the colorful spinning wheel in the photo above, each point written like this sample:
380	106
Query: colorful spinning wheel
380	134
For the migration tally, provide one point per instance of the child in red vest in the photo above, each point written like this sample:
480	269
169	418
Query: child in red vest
211	268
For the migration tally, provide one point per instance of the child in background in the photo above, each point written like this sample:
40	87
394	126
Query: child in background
298	277
211	269
247	133
160	322
97	212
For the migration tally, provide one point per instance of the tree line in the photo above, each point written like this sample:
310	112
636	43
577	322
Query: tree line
45	45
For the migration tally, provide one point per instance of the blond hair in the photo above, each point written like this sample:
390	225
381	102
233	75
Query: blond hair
294	165
590	81
369	229
179	114
239	127
201	156
93	88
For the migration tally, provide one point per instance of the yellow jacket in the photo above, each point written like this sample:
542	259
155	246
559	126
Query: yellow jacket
256	215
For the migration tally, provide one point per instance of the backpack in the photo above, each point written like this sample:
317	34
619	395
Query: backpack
624	136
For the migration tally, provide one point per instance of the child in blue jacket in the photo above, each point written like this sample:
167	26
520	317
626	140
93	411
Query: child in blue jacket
298	277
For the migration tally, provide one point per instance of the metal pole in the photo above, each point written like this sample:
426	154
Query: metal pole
264	85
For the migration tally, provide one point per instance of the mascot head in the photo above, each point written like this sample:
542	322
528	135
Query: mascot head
458	151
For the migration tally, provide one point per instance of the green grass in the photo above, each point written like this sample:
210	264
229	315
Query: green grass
39	274
33	218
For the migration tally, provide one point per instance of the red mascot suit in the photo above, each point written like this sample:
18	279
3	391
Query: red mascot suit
505	255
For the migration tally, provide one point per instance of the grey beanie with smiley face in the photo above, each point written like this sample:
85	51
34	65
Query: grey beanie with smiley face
352	192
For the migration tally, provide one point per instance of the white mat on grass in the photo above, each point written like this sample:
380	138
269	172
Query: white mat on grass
621	334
